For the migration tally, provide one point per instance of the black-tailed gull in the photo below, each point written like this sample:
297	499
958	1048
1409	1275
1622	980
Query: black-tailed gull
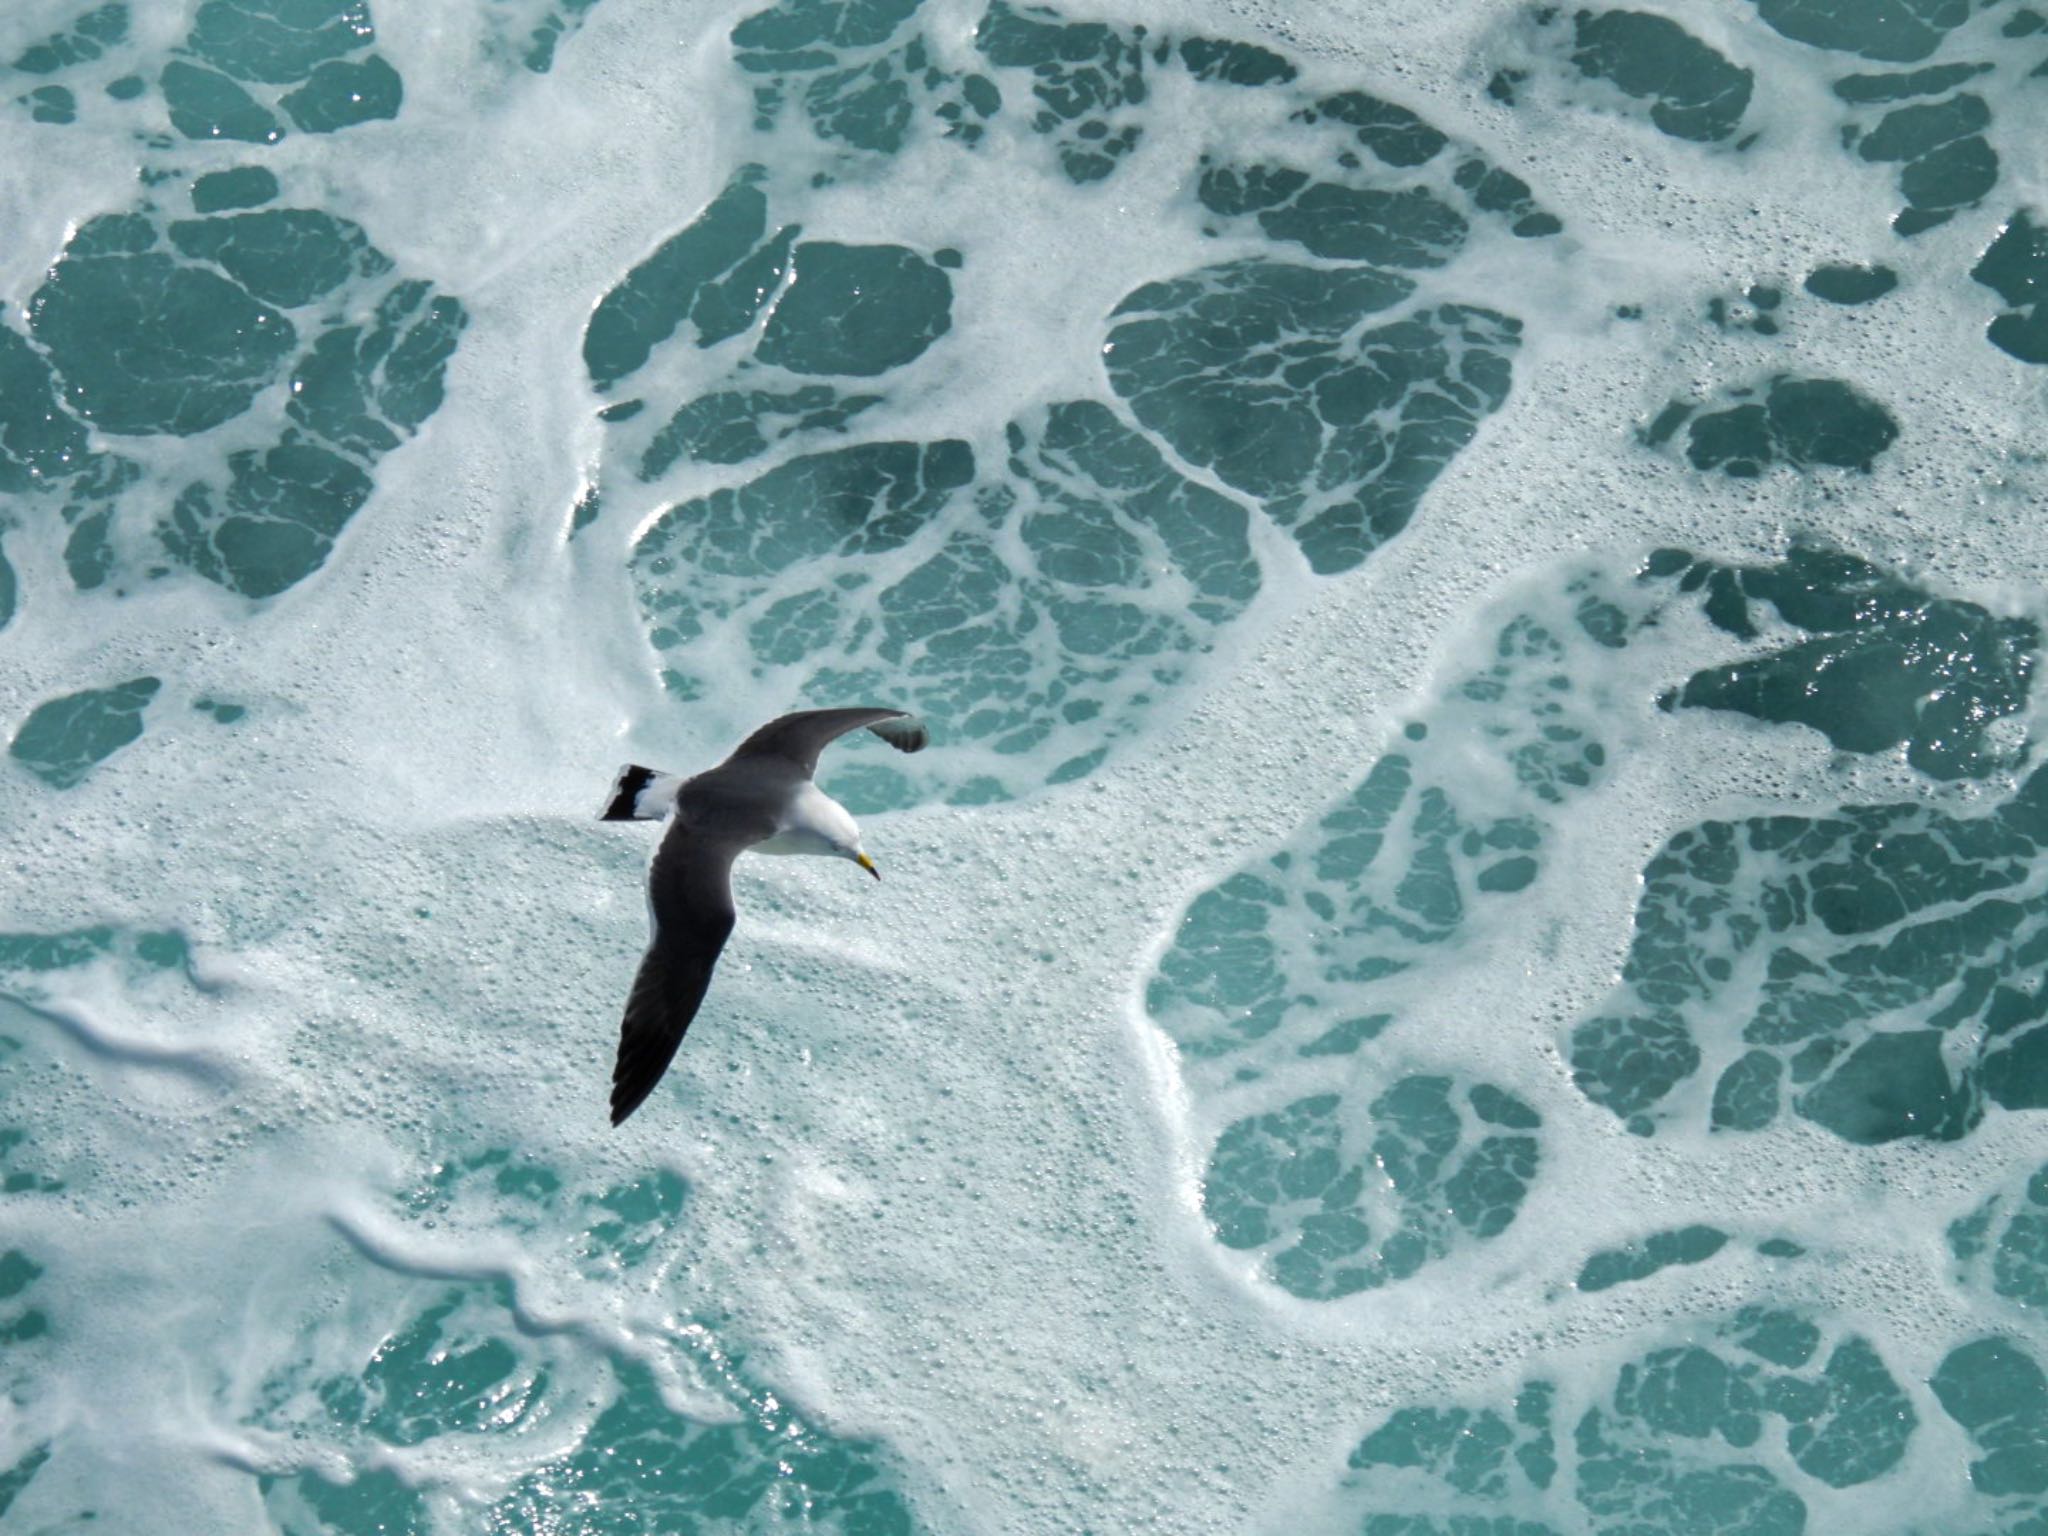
760	799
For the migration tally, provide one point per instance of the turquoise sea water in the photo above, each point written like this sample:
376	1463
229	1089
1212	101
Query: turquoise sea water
1470	957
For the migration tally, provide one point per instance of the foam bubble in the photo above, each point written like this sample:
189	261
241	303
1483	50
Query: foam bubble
314	972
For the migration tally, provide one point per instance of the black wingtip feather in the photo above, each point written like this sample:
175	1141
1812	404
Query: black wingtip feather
907	733
649	1033
653	1027
628	1094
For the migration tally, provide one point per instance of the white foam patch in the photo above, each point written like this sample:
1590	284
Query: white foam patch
942	1169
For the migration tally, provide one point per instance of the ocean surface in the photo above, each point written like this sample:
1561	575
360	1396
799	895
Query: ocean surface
1470	957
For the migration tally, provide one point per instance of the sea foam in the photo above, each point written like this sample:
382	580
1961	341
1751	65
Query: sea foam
1396	558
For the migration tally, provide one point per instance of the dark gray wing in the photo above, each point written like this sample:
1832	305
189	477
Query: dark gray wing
689	889
802	736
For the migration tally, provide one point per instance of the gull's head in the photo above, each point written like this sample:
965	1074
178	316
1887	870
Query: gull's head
844	842
826	826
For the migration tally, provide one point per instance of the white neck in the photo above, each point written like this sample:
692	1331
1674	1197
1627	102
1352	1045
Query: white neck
815	824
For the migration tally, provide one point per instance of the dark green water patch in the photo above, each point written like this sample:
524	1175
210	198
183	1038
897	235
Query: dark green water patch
866	77
1904	85
465	1364
89	36
1260	372
283	256
1343	1204
361	387
1995	1389
23	1169
555	24
1845	1425
41	442
1233	63
1311	950
1884	662
1482	1453
72	51
277	41
1496	190
671	285
1348	208
642	1466
22	1321
1395	135
18	1476
1692	91
856	309
344	93
1658	1251
140	341
1756	310
2015	267
27	955
246	186
1060	593
842	62
1945	163
65	738
1088	79
207	105
126	331
1085	78
51	104
1680	1440
2003	1244
92	498
1844	283
625	1223
1885	958
1406	228
454	1366
357	392
276	523
857	500
830	308
498	1188
1800	423
376	1501
732	426
783	36
1889	31
255	63
859	73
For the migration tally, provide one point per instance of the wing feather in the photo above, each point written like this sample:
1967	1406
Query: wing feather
689	890
802	736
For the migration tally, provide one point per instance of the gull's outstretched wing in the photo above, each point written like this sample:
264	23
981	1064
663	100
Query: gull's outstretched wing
802	736
689	892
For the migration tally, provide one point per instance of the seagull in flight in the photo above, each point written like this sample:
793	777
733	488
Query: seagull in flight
760	799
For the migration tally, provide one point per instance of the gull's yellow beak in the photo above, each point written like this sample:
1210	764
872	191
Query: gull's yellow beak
867	864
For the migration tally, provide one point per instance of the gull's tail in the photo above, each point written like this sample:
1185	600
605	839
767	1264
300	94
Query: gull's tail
640	794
